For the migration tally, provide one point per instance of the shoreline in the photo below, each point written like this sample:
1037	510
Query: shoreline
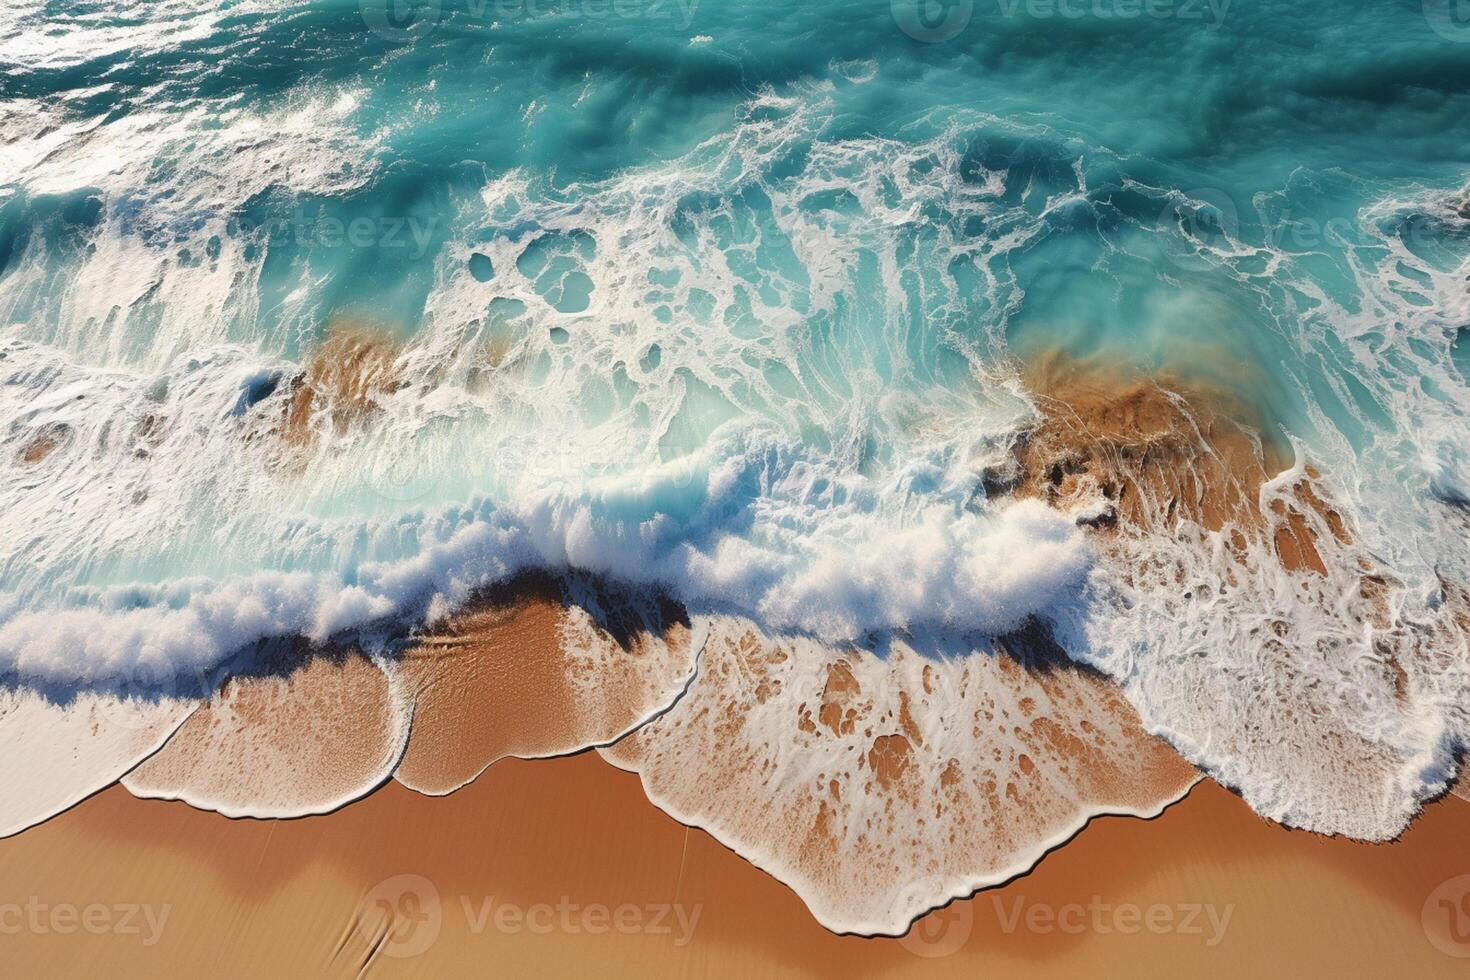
867	789
576	836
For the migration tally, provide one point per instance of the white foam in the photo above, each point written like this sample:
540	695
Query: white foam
1333	703
36	38
58	754
166	270
749	523
879	789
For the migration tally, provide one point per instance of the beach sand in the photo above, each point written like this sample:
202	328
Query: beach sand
567	842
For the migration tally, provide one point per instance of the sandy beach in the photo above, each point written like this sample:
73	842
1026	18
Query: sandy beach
562	865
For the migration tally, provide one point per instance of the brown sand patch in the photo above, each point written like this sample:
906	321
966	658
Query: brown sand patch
1159	450
839	696
44	443
255	898
283	746
889	758
529	673
343	380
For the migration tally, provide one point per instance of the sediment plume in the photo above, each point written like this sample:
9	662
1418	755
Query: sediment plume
353	367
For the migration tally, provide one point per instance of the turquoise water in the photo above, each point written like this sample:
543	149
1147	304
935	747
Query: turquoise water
722	297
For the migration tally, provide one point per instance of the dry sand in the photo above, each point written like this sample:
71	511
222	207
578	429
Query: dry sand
566	842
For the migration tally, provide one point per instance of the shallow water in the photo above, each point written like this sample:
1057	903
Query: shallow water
728	298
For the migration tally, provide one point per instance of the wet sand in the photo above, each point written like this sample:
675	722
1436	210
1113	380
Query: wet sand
877	788
562	865
528	673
